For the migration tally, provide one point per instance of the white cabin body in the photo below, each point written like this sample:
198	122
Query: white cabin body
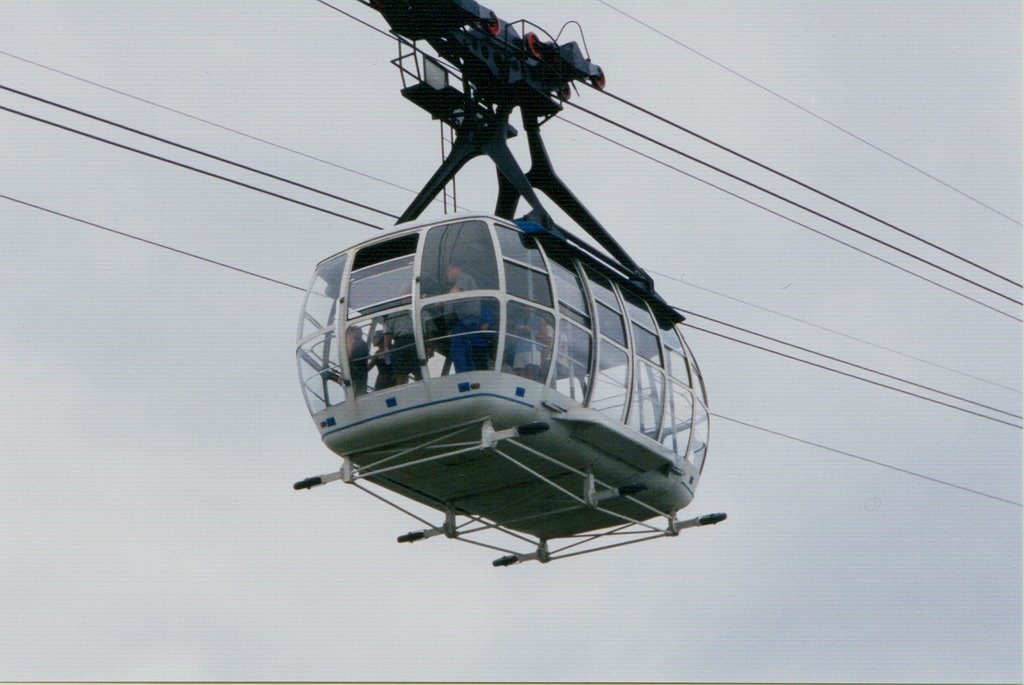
413	345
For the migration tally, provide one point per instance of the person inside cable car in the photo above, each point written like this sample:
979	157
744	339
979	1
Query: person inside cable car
400	348
458	279
358	352
381	361
460	334
467	319
528	343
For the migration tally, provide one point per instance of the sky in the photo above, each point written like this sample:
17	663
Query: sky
152	420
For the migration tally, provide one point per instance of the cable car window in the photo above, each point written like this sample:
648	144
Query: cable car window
320	373
645	339
678	419
675	355
572	362
382	353
382	276
529	339
648	400
321	306
646	344
385	251
571	300
525	272
698	378
700	381
458	257
602	290
699	442
610	323
611	384
520	247
460	335
637	310
609	317
527	284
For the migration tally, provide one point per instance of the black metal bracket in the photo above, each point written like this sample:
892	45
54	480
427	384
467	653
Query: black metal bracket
542	176
482	136
500	71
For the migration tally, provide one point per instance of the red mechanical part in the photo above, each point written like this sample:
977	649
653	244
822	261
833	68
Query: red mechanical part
532	45
492	25
566	92
598	81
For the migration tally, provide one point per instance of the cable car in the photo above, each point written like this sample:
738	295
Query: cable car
500	371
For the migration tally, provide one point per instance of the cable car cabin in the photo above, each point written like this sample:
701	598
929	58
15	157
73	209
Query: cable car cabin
479	370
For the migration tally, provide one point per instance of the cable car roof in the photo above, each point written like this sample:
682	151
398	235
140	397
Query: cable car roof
565	244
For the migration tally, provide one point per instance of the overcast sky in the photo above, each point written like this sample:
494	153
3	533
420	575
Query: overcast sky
153	424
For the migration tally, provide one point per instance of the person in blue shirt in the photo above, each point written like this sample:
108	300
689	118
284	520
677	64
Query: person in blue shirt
467	321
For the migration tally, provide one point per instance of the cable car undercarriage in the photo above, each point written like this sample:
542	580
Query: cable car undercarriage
553	495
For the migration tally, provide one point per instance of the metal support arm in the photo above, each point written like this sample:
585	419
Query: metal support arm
475	138
542	176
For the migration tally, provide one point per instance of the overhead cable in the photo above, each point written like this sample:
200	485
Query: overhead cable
848	363
153	242
355	18
850	375
189	167
788	201
870	461
835	332
813	114
196	151
803	185
789	219
207	121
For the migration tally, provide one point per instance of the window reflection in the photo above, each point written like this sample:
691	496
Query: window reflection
609	317
527	283
637	310
611	385
461	335
382	276
571	300
458	256
380	286
645	337
646	344
698	378
678	420
572	365
529	340
675	355
699	443
519	247
319	372
648	399
321	306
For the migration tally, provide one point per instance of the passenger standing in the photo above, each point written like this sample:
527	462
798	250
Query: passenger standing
528	343
464	321
358	353
382	361
400	344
